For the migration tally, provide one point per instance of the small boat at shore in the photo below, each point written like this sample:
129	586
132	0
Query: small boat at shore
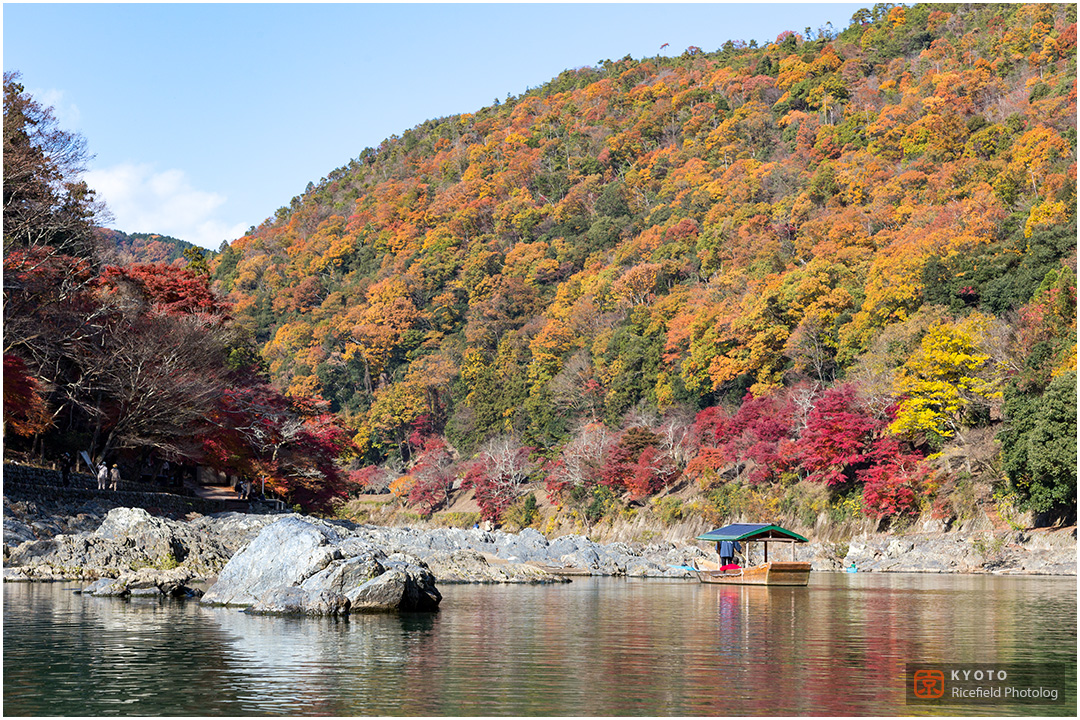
776	572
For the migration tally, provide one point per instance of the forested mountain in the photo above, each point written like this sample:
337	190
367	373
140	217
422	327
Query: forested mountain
821	259
834	272
150	248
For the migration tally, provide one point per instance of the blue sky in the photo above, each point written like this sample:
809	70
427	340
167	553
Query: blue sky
206	118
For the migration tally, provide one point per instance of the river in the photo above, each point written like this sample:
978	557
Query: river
596	646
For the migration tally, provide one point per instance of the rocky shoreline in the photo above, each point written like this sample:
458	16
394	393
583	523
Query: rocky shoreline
128	551
130	539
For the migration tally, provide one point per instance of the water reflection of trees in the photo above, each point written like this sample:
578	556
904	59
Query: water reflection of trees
593	647
80	655
837	647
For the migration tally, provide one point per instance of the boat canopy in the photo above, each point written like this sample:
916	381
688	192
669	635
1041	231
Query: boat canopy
751	532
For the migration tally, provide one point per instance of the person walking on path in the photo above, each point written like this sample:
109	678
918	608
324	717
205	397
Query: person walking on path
103	477
114	478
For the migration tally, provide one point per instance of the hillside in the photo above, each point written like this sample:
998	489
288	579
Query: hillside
148	248
811	263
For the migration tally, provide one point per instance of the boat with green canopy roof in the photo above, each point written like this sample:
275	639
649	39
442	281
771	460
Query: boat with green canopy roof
776	572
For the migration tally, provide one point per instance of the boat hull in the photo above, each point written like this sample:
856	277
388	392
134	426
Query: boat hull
773	573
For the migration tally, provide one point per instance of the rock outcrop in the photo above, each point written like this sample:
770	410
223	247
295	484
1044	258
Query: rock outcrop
26	520
298	567
148	582
1044	552
128	539
474	555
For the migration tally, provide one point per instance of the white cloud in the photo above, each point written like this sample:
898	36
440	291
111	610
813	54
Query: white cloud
142	200
68	116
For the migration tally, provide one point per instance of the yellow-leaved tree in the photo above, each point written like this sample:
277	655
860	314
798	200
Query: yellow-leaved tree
947	382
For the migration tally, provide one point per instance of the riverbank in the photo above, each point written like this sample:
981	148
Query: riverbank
130	539
86	540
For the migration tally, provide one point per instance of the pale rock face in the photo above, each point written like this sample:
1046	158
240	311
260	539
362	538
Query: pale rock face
128	539
284	554
297	567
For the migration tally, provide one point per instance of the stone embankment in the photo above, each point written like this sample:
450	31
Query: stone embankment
40	493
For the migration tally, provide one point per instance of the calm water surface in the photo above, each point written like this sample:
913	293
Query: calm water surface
592	647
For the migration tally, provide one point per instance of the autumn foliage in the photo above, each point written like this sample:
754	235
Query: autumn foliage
25	411
732	234
822	258
134	363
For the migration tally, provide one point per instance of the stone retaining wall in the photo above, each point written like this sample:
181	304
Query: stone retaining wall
44	485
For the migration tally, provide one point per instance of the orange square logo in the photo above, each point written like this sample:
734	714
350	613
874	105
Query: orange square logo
929	684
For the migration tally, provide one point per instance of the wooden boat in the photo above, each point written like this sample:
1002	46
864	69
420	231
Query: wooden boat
771	573
777	572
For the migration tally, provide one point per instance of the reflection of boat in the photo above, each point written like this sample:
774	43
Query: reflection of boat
776	572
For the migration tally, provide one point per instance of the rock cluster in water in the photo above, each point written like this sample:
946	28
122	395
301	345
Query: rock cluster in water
25	520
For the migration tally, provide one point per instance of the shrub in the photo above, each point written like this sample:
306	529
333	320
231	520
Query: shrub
623	469
895	488
652	472
705	467
456	519
594	502
805	501
522	513
669	510
847	507
838	437
402	486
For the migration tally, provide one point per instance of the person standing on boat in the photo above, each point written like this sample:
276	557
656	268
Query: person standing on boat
727	552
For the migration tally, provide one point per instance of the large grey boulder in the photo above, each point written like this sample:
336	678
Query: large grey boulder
407	584
233	530
284	554
298	567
